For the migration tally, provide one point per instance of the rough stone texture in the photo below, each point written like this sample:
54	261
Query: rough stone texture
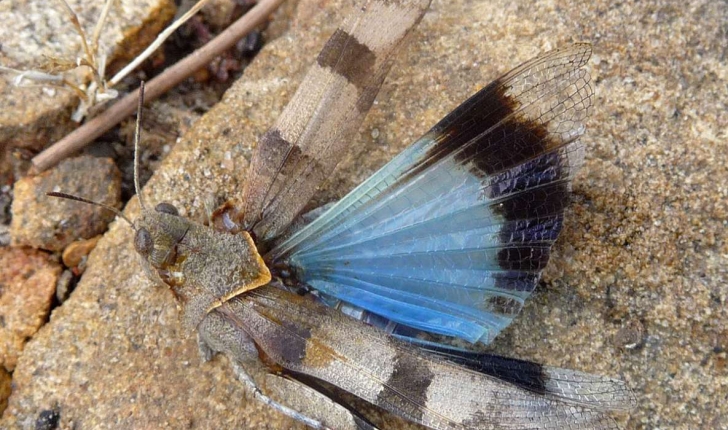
36	33
26	291
52	223
77	252
5	388
645	243
218	13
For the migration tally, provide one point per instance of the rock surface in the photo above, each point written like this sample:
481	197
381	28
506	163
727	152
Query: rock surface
52	223
26	291
645	245
5	387
37	33
77	252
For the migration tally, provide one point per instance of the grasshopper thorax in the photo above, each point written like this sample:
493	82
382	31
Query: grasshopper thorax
203	267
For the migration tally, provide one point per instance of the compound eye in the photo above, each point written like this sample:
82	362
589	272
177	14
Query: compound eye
166	208
143	242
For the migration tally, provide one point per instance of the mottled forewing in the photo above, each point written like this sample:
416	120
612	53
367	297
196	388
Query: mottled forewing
311	135
304	337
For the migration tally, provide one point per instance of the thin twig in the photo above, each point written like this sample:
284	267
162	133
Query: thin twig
94	128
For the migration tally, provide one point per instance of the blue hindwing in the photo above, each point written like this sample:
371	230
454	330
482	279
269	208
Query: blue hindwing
451	236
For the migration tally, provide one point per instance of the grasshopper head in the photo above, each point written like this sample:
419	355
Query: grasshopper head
202	267
158	234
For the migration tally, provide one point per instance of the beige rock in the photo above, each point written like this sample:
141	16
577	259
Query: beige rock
28	283
52	223
5	388
76	252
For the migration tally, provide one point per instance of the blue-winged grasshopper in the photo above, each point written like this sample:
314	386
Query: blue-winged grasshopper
445	241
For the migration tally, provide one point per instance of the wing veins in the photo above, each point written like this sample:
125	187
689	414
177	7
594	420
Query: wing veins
308	127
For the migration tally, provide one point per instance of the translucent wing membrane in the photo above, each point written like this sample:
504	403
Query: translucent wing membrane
451	236
594	391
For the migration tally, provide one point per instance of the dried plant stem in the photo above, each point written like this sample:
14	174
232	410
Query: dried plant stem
100	25
101	87
90	56
154	88
157	43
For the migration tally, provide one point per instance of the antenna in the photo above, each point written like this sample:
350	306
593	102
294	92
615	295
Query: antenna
137	136
91	202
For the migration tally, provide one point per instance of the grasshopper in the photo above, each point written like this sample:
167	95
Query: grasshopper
446	241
